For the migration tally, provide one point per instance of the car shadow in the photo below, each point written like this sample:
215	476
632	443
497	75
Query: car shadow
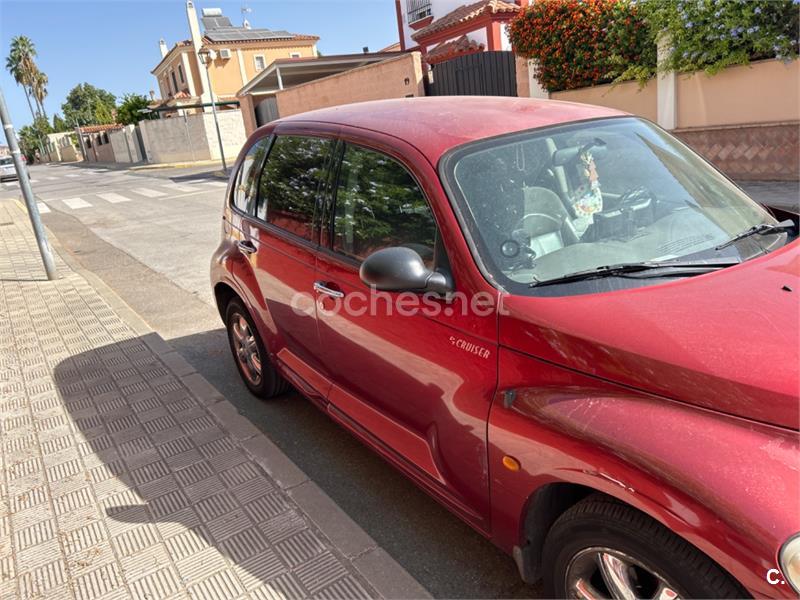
164	474
444	554
166	491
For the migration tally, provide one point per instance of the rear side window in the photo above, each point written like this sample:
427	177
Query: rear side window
290	182
378	204
244	194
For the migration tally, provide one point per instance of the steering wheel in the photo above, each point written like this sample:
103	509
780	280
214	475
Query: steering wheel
635	195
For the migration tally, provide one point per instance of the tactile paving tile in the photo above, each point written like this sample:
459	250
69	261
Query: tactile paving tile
116	481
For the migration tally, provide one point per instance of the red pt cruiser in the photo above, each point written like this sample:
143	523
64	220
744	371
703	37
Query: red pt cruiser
555	318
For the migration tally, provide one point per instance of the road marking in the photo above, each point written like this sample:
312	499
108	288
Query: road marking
217	183
148	193
73	174
114	198
52	178
76	203
43	208
179	187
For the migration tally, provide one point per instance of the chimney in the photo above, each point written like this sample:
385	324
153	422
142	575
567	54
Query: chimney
197	43
366	49
194	25
163	47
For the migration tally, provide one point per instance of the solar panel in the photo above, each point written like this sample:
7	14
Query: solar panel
230	34
216	22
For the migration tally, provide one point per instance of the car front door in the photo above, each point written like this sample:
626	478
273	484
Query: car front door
282	239
416	383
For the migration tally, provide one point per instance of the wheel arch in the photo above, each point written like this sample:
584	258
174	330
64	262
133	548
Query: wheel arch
541	510
223	294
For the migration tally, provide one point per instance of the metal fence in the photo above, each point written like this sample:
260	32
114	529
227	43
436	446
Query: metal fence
480	74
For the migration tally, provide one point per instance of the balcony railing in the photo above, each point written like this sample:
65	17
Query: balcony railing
417	10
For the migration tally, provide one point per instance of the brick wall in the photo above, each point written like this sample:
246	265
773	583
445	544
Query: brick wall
749	152
393	78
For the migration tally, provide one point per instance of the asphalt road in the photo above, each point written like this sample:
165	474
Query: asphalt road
149	235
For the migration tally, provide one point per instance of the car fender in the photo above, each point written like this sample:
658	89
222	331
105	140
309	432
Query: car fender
726	485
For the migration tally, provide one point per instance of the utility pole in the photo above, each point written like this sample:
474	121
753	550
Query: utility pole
207	56
80	140
27	192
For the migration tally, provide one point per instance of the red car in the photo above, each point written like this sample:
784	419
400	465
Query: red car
555	318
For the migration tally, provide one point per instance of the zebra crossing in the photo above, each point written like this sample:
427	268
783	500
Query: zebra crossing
154	192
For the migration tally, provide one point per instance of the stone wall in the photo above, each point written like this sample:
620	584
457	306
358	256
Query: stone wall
192	138
126	148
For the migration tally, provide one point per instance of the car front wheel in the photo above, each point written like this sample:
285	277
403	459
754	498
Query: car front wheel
601	548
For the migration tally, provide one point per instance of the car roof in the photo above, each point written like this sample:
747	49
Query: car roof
435	124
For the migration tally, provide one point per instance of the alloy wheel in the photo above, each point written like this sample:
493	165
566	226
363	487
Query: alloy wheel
603	573
246	349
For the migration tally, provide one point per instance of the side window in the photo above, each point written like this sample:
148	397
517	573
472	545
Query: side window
244	193
290	182
378	204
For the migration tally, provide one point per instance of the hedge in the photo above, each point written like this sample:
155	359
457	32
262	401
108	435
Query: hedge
578	43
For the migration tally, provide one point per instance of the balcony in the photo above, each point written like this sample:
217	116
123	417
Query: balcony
416	10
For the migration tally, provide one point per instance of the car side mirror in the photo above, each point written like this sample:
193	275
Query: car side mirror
399	269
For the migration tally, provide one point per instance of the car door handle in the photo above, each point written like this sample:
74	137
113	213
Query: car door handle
320	287
246	246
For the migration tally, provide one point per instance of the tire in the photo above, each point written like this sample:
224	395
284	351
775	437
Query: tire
648	553
260	377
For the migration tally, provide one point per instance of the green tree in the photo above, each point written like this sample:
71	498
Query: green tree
21	66
60	124
33	137
39	83
103	115
128	110
84	102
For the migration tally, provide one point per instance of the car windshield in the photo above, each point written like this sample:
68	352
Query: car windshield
5	160
542	204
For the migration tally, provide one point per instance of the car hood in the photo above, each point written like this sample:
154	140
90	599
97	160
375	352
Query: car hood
726	341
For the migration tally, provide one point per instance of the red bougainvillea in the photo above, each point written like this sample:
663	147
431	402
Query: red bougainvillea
578	43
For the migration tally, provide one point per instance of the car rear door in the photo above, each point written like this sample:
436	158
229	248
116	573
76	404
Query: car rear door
417	385
282	239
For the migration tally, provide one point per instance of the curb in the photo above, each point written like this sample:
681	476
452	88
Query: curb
380	570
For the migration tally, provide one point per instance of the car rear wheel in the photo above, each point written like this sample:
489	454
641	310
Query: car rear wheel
601	548
249	354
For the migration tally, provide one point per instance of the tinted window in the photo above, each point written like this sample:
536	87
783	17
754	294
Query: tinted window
378	204
244	193
290	181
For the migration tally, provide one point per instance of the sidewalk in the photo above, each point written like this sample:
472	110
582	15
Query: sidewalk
125	474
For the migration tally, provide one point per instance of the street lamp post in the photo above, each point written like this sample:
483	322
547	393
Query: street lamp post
27	192
206	56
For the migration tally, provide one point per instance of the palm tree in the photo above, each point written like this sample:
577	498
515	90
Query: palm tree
21	65
39	89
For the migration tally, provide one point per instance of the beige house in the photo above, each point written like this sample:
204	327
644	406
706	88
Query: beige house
238	54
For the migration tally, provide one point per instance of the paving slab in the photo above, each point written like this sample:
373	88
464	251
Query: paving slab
125	474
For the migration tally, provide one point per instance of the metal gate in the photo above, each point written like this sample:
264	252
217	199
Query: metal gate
266	111
479	74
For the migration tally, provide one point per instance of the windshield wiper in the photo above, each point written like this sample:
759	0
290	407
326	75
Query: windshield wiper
760	229
670	268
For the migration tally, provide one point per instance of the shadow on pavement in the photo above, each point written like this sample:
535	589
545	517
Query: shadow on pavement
444	554
176	494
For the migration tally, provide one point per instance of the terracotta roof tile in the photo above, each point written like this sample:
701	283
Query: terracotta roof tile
466	13
98	128
447	50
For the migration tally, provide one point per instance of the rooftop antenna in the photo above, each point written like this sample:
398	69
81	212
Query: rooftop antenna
246	10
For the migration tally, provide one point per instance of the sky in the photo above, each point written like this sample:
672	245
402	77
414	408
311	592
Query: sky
114	44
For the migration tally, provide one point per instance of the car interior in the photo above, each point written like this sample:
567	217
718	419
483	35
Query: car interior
543	208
